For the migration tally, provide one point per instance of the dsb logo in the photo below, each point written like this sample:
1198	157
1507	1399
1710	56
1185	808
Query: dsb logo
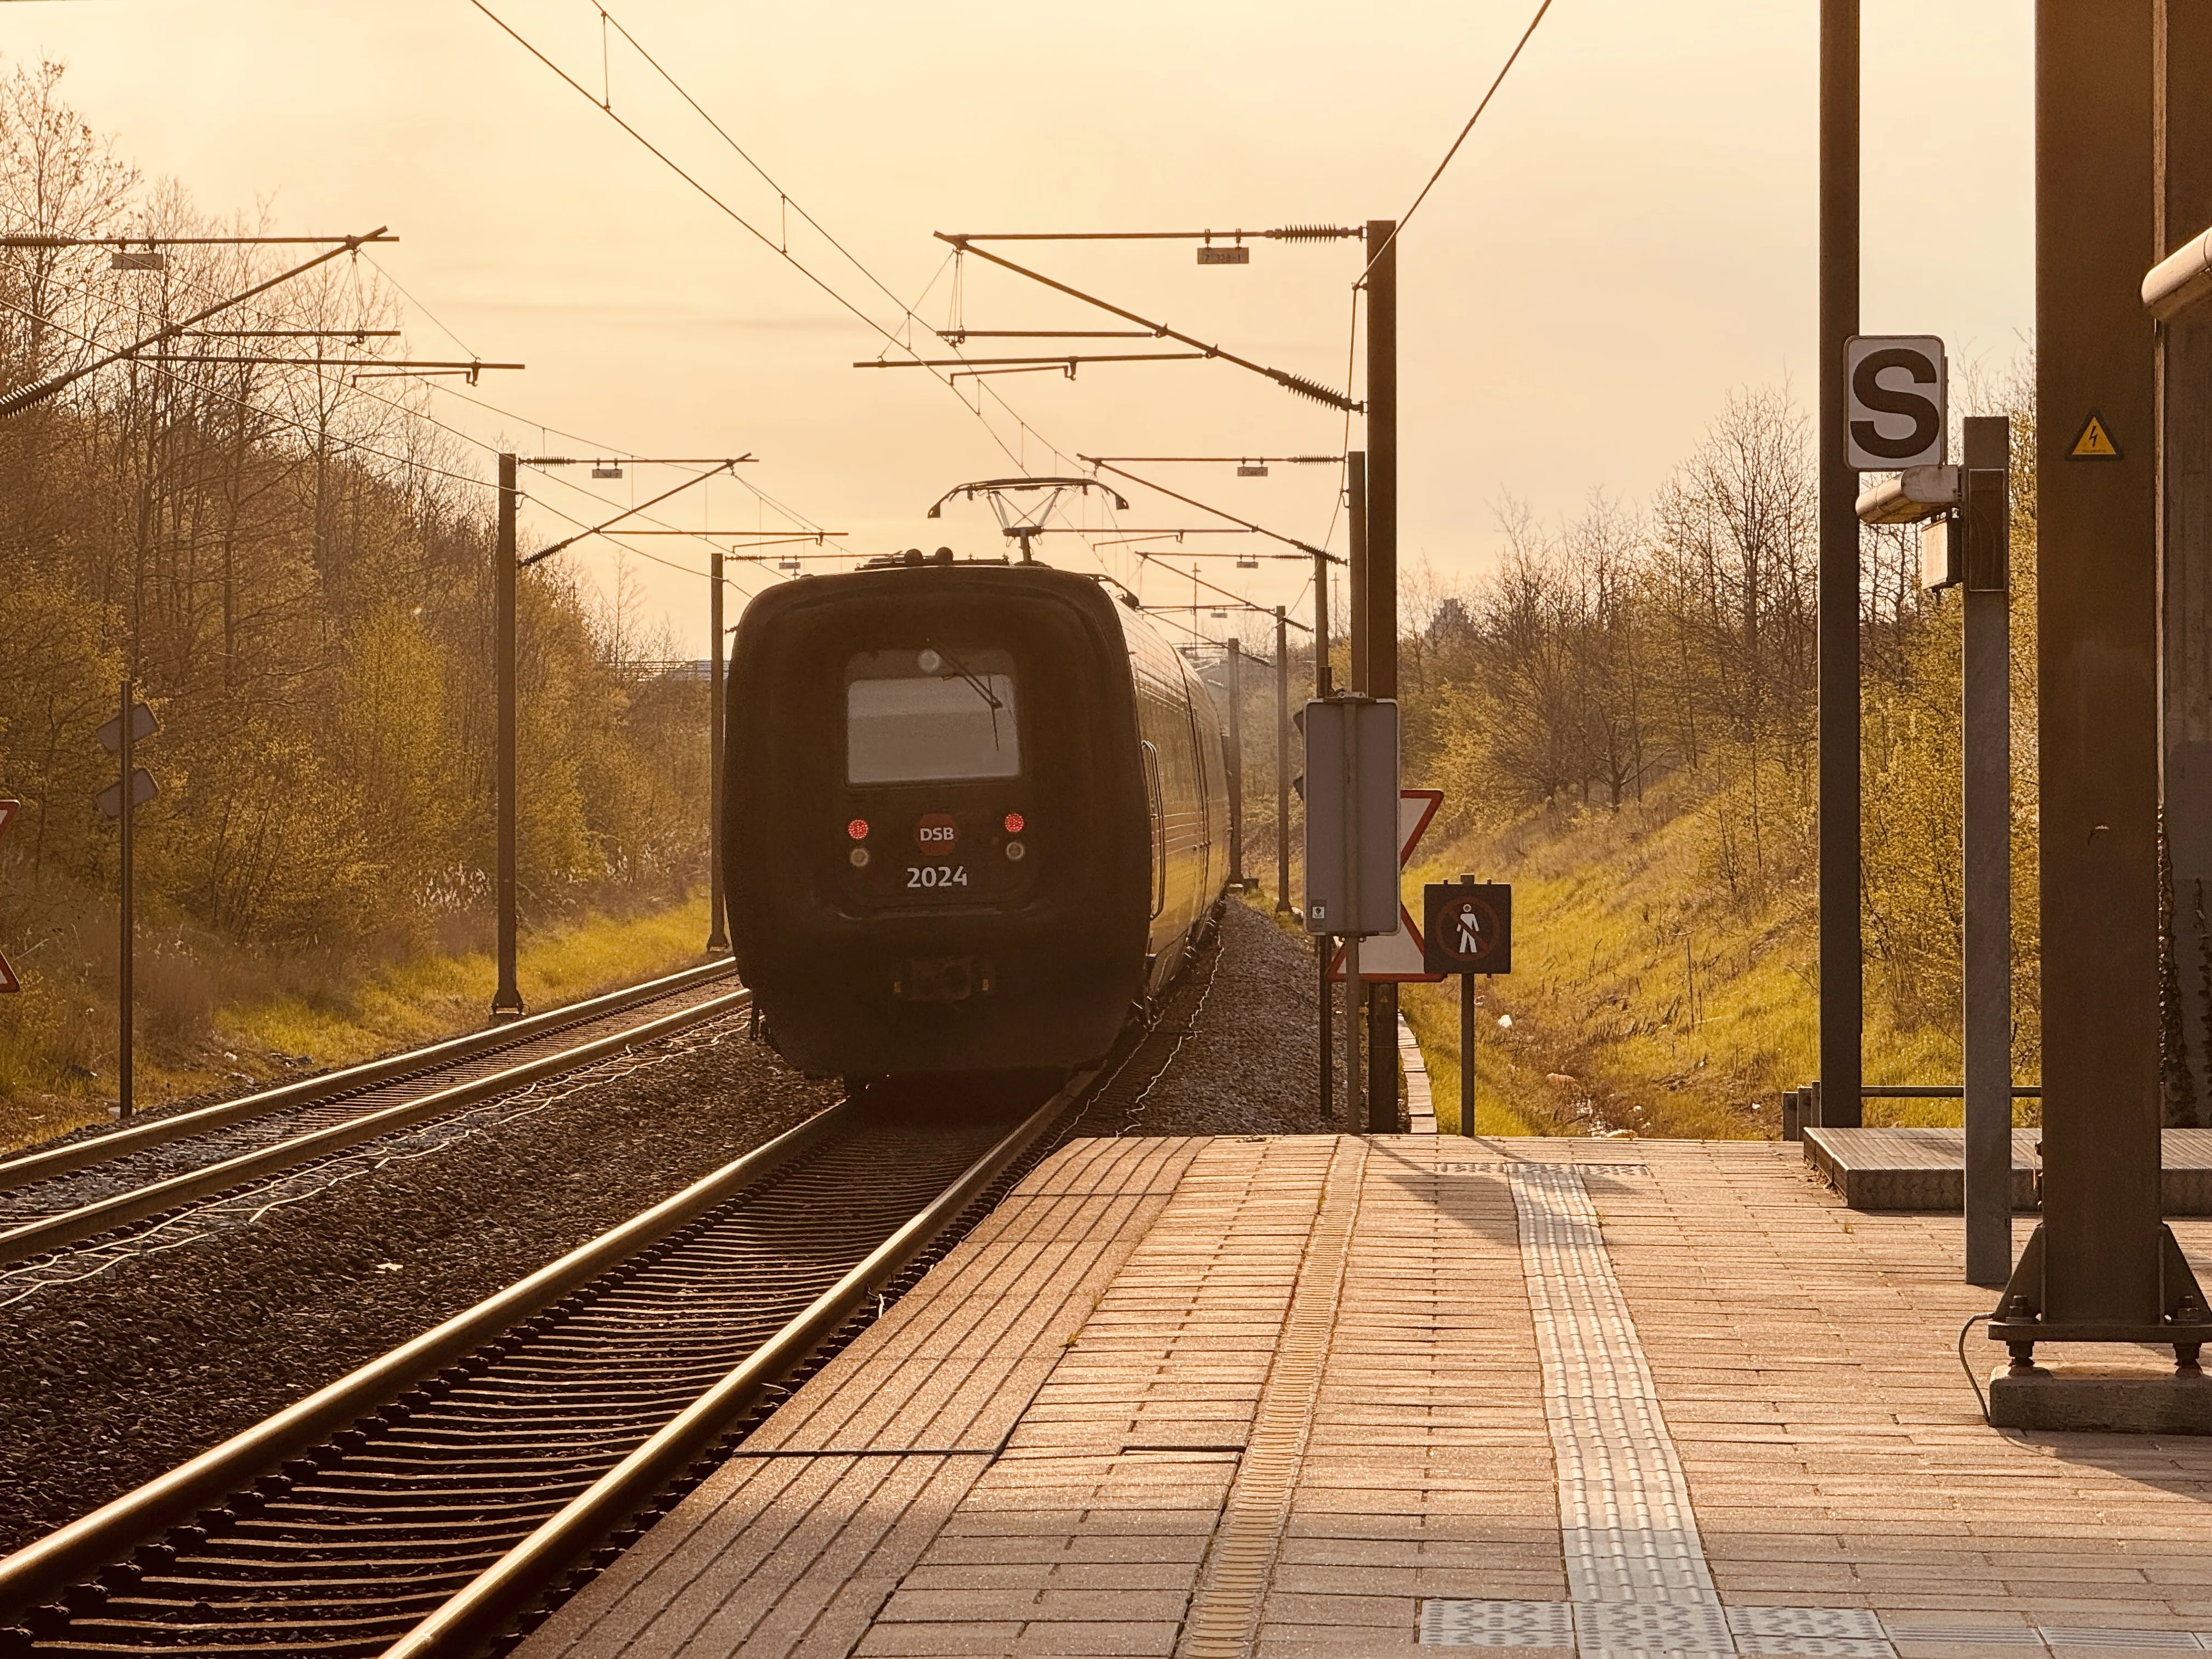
937	832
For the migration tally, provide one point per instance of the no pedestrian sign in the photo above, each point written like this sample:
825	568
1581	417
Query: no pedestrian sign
1470	927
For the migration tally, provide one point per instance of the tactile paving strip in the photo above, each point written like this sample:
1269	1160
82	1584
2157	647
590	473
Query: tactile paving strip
1616	1629
1636	1566
1626	1523
1225	1611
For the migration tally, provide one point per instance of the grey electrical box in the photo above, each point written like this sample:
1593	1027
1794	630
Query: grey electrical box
1351	817
1942	543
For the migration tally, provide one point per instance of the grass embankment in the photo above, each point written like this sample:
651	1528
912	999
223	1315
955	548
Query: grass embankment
275	1034
1643	998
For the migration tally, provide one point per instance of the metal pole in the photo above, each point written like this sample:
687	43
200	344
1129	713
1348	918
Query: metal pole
2097	637
1324	945
1986	720
1323	675
1466	1054
718	935
2184	207
1282	763
1354	1110
125	994
1842	1005
1235	765
1355	622
1378	618
507	1001
1324	948
1355	606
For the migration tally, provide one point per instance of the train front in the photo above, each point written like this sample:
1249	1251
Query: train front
934	843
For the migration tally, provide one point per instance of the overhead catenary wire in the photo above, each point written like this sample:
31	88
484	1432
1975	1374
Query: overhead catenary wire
775	245
908	315
1511	59
1023	428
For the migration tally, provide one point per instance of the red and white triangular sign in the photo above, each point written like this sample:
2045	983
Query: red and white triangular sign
1415	808
1399	957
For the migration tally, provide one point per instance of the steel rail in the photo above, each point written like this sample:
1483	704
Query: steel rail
52	1233
22	1170
39	1571
504	1589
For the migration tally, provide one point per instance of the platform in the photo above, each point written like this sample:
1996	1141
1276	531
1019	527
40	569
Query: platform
1924	1169
1324	1398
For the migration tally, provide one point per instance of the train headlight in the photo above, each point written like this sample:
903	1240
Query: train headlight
858	858
1016	851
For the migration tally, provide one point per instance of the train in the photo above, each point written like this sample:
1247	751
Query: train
975	816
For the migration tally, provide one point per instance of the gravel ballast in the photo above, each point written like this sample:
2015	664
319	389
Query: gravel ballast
1243	1014
109	1381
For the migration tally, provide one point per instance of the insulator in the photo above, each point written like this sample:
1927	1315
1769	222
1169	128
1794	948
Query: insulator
1313	389
1306	234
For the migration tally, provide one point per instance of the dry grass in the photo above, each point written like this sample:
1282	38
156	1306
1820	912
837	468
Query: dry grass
206	1021
1643	998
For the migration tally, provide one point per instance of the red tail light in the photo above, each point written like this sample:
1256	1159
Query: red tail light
858	829
1013	824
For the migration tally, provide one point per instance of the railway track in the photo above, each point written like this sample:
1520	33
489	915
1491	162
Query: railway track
53	1198
445	1494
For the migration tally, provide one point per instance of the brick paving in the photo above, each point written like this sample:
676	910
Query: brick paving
1134	1318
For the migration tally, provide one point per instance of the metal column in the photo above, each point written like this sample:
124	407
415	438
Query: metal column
1355	595
1324	946
2095	1262
2184	157
1841	996
1985	815
1236	765
124	992
718	933
507	1001
1378	618
1282	763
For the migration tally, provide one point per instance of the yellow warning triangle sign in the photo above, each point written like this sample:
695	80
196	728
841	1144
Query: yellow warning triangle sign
2094	443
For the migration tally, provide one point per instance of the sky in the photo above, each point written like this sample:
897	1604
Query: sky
1627	234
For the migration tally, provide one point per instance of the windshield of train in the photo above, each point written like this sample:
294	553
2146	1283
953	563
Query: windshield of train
929	716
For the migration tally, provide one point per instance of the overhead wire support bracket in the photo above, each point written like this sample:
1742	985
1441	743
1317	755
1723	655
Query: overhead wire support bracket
980	366
1284	234
1241	460
342	243
1297	384
962	336
715	461
602	528
1306	548
23	397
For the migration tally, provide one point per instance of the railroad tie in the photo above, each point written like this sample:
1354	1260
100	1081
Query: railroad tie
1224	1613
